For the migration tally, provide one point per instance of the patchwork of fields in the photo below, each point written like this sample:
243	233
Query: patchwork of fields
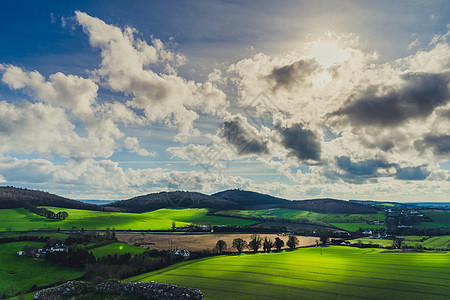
312	273
19	273
20	219
437	242
441	219
350	222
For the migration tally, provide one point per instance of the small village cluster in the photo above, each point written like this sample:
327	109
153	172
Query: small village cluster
42	252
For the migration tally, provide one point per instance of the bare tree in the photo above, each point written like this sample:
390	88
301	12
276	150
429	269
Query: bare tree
292	242
324	237
239	244
268	244
221	246
255	242
397	243
279	243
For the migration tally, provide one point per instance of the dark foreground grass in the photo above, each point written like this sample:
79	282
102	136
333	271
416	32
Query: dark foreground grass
339	273
20	273
440	219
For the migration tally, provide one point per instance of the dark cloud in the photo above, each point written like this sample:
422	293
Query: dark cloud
292	75
418	97
445	114
439	144
302	143
412	173
237	132
368	170
361	171
362	168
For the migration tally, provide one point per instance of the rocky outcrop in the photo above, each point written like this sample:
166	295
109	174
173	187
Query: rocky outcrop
141	290
66	290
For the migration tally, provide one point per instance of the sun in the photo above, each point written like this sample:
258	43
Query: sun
328	53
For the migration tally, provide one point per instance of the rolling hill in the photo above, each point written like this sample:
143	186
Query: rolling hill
11	197
331	206
171	199
251	200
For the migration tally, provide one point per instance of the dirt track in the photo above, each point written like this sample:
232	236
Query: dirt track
197	242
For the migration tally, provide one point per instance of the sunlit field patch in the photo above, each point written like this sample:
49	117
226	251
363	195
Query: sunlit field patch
312	273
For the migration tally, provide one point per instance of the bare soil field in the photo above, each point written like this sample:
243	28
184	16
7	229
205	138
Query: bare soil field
198	242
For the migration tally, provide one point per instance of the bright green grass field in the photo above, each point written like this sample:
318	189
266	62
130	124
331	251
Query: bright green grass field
20	219
437	242
351	222
441	219
117	248
21	272
340	273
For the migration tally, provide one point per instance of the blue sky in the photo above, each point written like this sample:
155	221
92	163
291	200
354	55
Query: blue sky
299	99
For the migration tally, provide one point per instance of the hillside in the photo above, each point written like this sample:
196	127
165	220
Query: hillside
11	197
331	206
171	199
251	200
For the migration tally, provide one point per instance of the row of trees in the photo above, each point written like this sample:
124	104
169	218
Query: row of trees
256	242
44	212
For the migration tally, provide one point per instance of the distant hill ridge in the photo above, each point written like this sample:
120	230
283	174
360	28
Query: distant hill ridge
254	200
251	200
12	197
334	206
171	199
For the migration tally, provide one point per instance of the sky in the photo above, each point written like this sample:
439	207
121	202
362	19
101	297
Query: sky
298	99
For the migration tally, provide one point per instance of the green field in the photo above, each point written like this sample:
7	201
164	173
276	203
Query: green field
117	248
19	273
340	273
441	219
351	222
20	219
355	226
437	242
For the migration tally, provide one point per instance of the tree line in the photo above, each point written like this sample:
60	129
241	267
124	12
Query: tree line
256	242
44	212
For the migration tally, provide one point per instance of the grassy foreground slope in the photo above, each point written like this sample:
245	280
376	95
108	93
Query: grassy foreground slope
350	222
340	273
19	273
20	219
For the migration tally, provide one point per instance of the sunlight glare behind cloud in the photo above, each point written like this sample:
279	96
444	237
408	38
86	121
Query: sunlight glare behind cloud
328	53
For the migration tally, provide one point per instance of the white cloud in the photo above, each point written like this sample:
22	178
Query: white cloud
413	44
130	65
28	127
71	92
307	93
132	144
105	179
308	119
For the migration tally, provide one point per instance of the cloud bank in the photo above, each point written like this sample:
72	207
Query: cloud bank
325	116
